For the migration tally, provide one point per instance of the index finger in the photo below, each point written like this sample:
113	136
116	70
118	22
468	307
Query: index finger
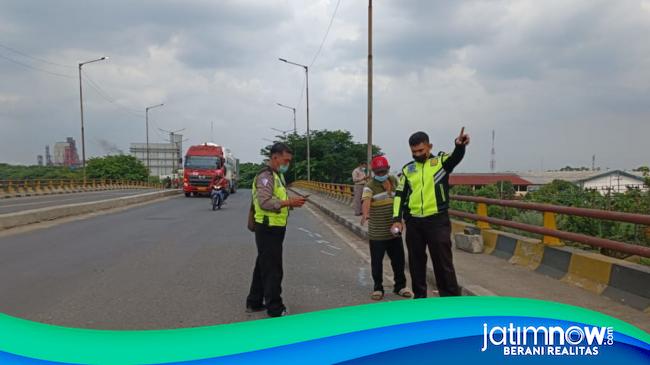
462	131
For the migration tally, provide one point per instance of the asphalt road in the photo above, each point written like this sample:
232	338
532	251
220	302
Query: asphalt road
13	205
170	264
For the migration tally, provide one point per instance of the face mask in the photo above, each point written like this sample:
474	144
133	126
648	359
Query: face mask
283	169
421	158
381	178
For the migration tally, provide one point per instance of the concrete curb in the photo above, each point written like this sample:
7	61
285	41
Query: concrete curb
11	220
619	280
466	289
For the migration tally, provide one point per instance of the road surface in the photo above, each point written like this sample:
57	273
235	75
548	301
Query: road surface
170	264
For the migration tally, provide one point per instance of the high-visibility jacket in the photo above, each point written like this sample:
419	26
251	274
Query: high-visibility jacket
270	218
423	189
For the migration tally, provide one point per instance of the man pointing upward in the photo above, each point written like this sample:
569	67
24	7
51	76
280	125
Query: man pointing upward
422	201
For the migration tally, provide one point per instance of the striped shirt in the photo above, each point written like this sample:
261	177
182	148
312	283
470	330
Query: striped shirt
381	209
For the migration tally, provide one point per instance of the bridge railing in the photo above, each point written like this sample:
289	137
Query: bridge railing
36	186
549	231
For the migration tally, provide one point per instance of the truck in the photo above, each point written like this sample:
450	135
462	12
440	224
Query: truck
202	162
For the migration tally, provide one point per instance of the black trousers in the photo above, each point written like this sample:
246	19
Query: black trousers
432	232
266	287
395	250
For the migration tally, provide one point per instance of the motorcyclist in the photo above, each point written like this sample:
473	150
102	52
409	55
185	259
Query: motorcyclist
220	181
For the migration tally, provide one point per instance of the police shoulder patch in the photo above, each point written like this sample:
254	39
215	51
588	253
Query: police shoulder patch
434	161
411	168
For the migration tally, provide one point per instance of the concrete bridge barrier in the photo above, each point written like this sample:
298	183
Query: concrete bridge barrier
11	220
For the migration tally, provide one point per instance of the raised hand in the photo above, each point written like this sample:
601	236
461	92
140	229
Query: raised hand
463	139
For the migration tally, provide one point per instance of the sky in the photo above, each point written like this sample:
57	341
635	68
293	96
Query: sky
558	81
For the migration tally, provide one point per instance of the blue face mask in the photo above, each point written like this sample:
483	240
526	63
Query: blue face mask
381	178
283	169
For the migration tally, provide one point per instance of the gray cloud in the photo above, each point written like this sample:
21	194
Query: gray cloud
558	80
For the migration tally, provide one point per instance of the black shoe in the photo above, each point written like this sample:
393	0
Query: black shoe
254	309
283	313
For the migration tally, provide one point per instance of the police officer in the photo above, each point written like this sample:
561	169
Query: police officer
271	210
422	200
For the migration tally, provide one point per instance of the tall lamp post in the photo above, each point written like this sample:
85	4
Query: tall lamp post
369	81
308	133
81	106
295	130
146	113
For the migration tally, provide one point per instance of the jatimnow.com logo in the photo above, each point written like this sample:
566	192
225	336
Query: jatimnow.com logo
547	340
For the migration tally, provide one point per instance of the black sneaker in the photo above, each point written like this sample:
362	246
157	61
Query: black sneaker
284	312
254	309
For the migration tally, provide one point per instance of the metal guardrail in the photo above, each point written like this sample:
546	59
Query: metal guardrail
551	235
11	187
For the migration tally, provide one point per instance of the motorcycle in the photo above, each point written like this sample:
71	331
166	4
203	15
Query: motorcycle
217	197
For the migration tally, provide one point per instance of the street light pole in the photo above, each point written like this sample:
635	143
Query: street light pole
369	81
308	132
146	113
295	130
81	107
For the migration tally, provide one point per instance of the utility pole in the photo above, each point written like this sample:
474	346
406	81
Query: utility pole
177	151
493	161
369	82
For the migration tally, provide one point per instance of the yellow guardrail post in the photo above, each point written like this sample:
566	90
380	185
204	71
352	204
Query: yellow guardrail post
482	210
551	223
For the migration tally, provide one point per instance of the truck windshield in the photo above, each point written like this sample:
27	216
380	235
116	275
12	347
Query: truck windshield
202	162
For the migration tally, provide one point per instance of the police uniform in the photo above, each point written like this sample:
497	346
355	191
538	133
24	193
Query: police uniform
422	200
270	227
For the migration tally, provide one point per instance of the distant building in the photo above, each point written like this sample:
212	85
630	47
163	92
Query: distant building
65	153
48	156
39	160
163	157
478	180
602	181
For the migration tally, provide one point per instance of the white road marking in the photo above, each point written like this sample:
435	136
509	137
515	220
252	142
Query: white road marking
327	253
362	253
334	247
323	242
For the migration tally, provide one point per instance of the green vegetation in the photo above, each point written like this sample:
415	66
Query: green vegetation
18	172
333	156
565	193
118	167
247	172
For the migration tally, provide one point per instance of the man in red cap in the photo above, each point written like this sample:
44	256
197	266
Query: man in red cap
378	210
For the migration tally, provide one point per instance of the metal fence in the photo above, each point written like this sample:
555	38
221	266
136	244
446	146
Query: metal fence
549	231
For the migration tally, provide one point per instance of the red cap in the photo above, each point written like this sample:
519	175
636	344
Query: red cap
379	163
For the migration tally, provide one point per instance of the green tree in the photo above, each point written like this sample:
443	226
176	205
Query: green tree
119	167
247	172
20	172
333	155
646	173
